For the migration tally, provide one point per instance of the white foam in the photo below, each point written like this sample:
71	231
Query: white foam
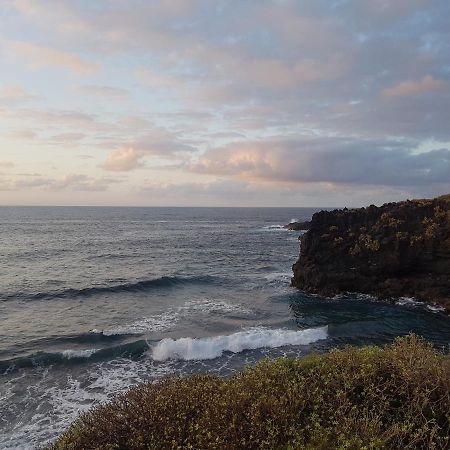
212	347
278	276
210	305
411	301
436	308
165	321
274	228
58	398
159	322
408	301
69	354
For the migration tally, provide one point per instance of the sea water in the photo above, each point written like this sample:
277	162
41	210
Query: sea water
95	300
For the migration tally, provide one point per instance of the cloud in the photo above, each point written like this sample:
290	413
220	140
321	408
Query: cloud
158	142
327	160
70	182
6	164
38	56
77	182
104	91
368	80
123	160
22	134
12	94
217	192
414	87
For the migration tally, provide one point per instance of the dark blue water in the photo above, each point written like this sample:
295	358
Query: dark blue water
94	300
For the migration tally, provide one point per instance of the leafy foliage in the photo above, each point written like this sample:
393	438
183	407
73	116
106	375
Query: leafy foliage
368	398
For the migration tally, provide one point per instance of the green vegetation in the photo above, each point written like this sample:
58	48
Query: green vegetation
397	397
389	232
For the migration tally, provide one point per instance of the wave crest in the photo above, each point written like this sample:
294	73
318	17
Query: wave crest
161	282
188	349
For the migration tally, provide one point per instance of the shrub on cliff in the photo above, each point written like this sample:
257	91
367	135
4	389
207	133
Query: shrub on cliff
397	397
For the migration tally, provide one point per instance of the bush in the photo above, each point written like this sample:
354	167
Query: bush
368	398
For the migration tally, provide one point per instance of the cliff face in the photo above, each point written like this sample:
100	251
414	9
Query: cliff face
398	249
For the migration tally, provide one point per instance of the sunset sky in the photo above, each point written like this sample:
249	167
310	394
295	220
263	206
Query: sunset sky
223	102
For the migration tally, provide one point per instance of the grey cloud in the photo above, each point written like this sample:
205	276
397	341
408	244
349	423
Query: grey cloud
330	160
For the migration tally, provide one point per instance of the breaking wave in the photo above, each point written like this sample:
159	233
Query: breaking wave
213	347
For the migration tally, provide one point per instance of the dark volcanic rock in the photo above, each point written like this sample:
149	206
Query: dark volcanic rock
298	226
398	249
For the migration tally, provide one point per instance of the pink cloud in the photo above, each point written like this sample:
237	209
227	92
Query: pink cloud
14	94
123	160
413	87
38	56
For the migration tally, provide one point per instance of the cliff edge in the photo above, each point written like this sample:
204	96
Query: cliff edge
398	249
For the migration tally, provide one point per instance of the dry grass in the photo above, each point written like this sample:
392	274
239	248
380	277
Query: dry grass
397	397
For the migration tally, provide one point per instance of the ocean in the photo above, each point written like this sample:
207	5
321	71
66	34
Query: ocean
95	300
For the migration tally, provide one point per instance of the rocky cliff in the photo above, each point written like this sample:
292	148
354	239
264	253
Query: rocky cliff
398	249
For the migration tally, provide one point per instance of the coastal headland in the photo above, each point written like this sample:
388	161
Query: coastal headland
395	250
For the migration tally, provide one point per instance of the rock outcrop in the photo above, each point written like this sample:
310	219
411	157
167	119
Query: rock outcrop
298	226
398	249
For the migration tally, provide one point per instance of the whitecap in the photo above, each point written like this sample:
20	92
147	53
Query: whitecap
408	301
274	228
411	301
70	354
436	308
213	347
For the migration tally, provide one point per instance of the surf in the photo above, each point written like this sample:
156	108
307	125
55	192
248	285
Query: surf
189	349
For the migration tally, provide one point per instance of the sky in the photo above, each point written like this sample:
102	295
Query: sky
224	103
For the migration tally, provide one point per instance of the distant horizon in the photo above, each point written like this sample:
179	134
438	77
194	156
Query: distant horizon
204	206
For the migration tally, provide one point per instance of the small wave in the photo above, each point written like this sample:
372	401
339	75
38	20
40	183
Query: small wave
212	347
166	320
436	308
211	306
155	323
274	228
411	301
69	356
408	301
72	354
161	282
278	276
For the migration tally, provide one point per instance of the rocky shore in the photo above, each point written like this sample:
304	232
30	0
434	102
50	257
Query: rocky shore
298	226
396	250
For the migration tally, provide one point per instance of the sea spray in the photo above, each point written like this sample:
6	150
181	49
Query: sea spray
188	349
